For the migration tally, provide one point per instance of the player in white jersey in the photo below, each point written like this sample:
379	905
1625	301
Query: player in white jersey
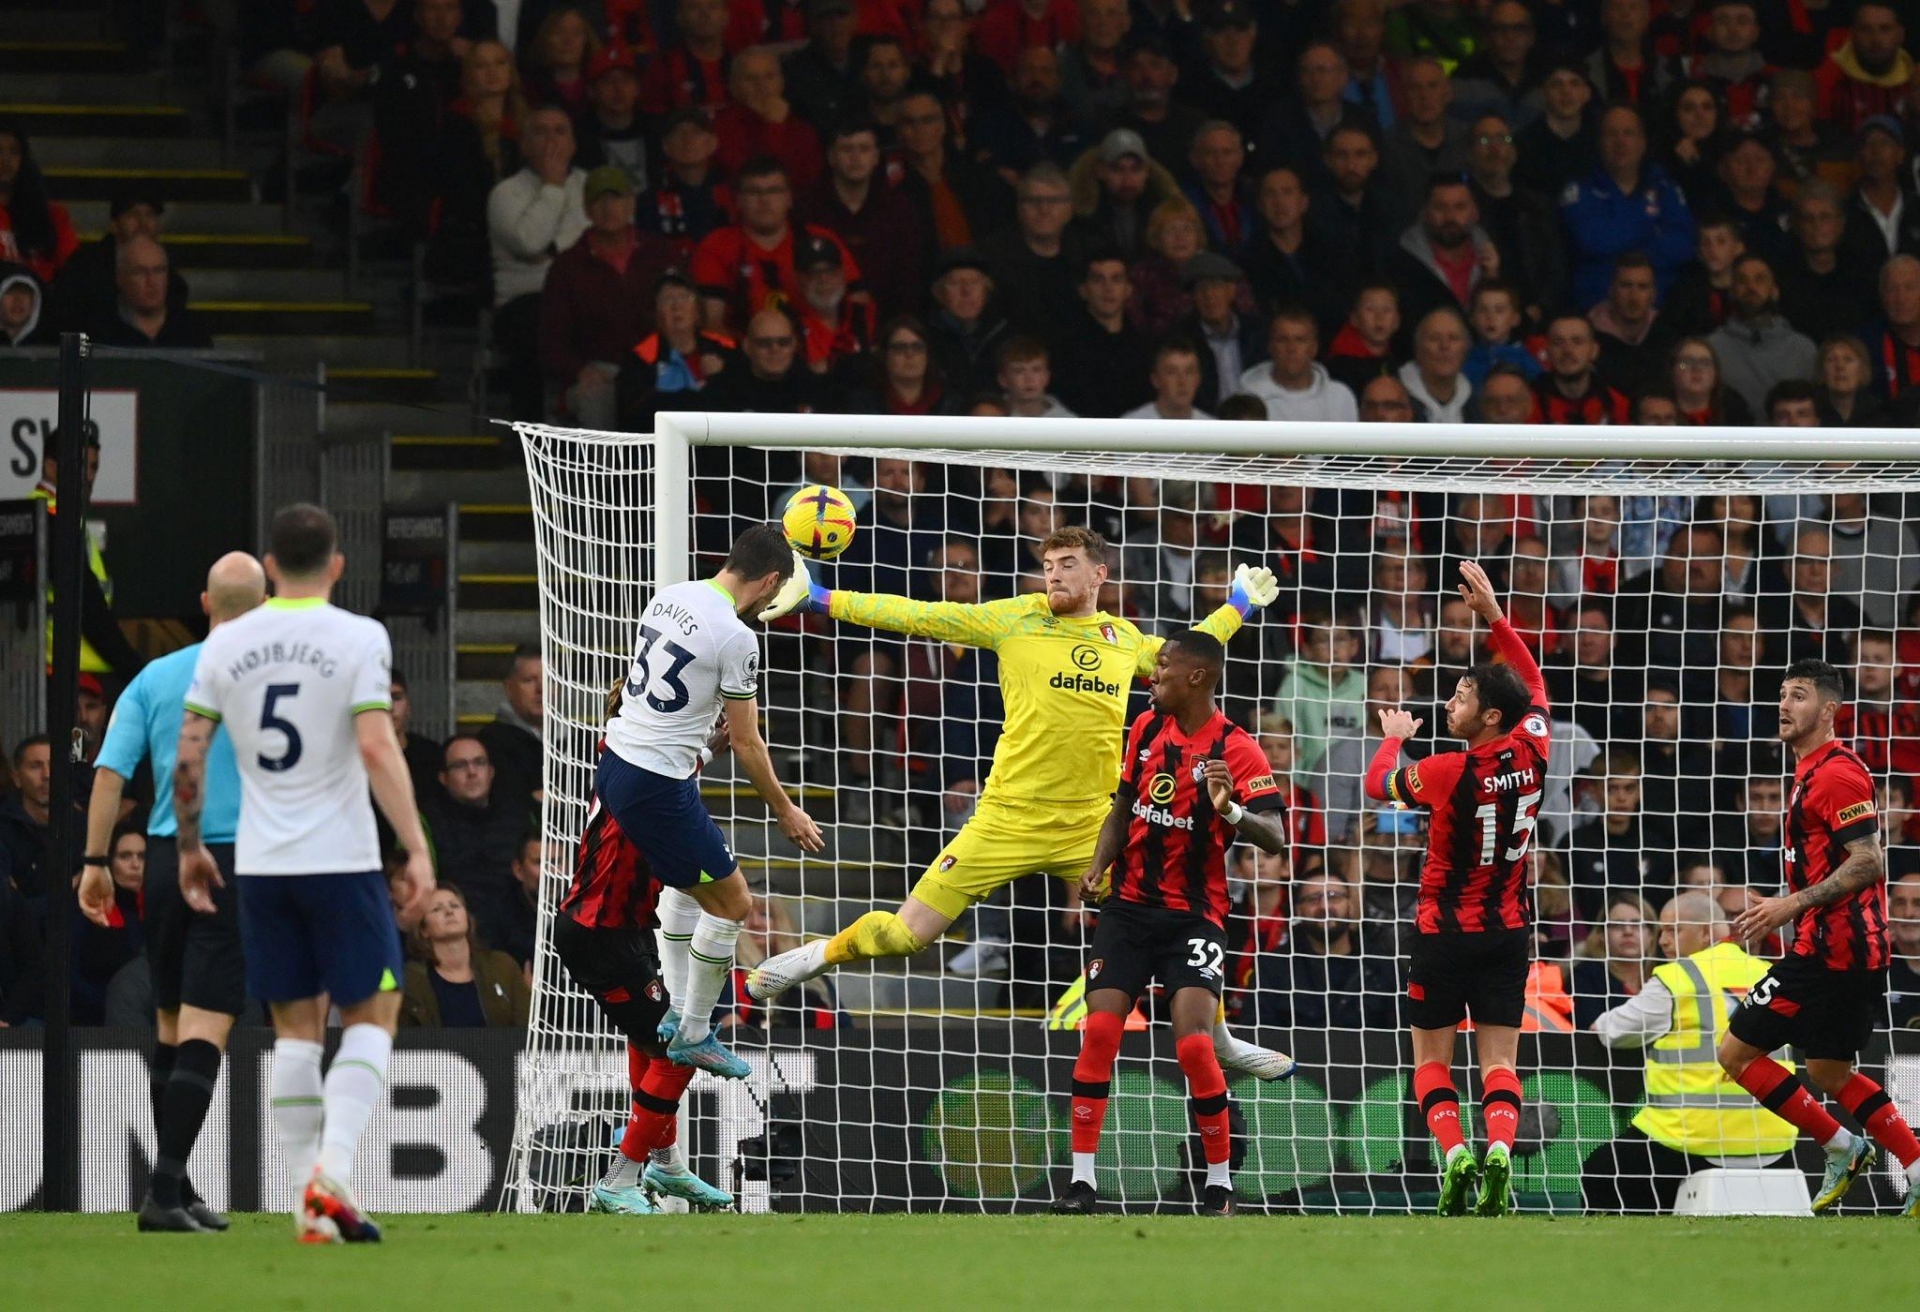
303	690
694	661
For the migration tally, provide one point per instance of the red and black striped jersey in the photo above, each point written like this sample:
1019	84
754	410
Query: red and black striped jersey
613	887
1600	405
1482	805
1176	853
1885	735
1832	805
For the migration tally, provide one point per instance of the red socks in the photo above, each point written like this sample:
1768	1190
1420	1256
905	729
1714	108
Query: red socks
1500	1106
1783	1095
1868	1104
655	1119
1093	1077
1207	1093
1433	1089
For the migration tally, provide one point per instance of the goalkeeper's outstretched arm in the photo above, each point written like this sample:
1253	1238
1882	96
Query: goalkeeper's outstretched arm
982	625
1254	587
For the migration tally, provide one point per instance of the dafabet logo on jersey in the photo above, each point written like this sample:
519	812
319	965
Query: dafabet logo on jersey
1160	789
1858	811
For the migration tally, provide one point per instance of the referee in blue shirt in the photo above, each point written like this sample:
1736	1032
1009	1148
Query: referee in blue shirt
199	975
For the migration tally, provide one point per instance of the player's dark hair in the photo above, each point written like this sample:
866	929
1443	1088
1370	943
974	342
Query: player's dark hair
1202	647
760	551
1826	680
20	748
1501	690
303	539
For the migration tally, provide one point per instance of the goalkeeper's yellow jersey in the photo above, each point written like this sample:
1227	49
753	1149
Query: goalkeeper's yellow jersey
1065	683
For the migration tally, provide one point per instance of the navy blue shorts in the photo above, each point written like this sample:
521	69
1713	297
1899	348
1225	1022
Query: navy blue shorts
666	820
311	934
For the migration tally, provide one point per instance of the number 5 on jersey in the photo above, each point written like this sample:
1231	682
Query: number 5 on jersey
290	755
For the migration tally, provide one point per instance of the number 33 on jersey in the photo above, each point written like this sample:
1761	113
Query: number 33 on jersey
287	681
693	651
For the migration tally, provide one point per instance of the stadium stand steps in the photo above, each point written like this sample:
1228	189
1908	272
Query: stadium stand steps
42	118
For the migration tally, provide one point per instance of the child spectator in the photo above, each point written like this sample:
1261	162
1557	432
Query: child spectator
1363	348
1495	317
1024	376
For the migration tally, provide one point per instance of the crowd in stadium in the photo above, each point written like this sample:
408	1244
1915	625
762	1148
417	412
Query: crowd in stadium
1652	211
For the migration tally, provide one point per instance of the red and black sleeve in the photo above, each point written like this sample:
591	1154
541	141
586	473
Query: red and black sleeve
1512	648
1254	782
1843	799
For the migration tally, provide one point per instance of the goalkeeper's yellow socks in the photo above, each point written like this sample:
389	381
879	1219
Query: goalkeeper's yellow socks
876	934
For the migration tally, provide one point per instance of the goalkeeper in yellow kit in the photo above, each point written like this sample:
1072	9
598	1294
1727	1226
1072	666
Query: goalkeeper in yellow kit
1066	668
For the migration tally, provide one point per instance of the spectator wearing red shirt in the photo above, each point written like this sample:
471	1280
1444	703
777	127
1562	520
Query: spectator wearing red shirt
598	300
692	74
761	121
1869	74
34	230
742	269
1010	26
1444	255
888	236
1570	392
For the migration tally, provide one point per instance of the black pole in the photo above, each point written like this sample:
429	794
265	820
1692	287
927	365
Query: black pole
60	1180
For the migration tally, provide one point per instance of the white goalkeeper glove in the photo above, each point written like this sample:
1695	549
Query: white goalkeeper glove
1254	588
797	593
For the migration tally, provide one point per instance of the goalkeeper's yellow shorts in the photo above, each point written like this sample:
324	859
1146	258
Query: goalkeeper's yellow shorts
1006	840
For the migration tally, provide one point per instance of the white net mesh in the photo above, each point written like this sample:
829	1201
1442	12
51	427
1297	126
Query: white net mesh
1663	595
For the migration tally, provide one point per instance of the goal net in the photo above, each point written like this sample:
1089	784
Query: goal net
1664	577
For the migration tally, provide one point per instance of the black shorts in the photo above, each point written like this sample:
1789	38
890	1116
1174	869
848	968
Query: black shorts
618	967
1452	975
196	960
1826	1014
1134	944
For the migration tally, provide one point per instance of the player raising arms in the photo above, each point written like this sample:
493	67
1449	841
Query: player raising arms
1829	992
694	657
1165	911
1065	670
303	689
1473	947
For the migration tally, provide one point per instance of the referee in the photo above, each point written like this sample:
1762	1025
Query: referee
199	976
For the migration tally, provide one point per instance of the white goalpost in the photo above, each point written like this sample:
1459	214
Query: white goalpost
1664	576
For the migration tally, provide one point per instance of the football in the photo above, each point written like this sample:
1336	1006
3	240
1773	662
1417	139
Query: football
819	521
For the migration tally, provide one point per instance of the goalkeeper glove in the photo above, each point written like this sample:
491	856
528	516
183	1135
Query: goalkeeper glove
798	593
1254	588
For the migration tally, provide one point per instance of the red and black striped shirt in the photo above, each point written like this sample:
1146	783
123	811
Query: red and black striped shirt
1832	805
1483	803
613	887
1600	405
1176	854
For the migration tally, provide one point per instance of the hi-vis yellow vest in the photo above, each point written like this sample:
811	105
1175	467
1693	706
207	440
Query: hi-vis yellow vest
1691	1105
91	662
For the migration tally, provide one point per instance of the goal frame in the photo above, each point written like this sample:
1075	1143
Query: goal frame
677	432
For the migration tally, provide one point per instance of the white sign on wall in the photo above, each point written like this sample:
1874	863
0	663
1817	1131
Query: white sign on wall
29	414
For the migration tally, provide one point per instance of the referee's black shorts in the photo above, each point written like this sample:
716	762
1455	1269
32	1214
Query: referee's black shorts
195	959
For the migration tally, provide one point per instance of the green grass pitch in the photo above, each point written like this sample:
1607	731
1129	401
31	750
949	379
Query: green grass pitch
851	1263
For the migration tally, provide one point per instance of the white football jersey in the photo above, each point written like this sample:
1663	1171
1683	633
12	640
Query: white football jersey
287	680
694	651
